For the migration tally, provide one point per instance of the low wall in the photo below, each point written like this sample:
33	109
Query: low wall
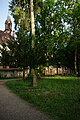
17	72
56	71
13	72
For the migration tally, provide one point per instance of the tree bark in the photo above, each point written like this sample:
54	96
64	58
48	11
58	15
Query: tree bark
34	80
32	23
23	73
75	61
57	70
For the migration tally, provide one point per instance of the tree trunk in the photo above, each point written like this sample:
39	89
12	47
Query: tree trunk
34	82
23	73
75	61
32	23
57	70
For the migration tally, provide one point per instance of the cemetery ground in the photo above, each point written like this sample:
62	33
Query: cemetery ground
58	97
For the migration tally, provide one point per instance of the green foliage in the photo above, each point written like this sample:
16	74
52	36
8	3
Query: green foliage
25	54
57	32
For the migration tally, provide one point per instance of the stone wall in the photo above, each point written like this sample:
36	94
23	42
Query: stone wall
56	71
17	72
13	72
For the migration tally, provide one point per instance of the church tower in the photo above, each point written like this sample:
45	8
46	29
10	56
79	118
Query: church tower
8	25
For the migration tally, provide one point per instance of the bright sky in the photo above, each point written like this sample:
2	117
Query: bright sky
4	13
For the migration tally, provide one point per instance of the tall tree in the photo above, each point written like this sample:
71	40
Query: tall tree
23	13
33	38
74	21
57	26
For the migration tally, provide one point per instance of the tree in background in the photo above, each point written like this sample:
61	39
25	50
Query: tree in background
54	36
23	13
73	19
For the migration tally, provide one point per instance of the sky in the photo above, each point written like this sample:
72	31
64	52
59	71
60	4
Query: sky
4	13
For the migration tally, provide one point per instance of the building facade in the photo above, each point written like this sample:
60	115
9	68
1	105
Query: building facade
7	33
6	36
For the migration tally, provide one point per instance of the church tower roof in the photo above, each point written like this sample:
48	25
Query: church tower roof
8	24
8	20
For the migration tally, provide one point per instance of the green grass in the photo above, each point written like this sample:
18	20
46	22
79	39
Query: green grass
58	97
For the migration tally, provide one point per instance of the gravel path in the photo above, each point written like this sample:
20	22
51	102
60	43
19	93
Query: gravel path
14	108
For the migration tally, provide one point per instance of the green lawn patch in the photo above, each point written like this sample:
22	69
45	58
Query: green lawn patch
58	97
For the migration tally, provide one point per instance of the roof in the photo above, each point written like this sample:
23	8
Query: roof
8	20
1	31
4	36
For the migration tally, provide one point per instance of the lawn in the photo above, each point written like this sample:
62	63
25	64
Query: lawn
58	97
